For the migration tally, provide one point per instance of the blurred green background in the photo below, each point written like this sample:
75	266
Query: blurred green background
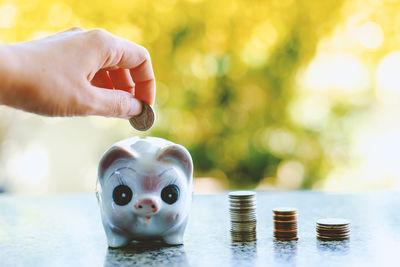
278	94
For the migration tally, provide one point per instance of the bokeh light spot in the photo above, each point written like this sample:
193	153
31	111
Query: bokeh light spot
31	165
7	15
280	141
388	73
290	174
204	66
336	72
256	51
59	15
370	35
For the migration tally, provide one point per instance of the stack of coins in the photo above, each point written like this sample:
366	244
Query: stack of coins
243	216
331	229
285	224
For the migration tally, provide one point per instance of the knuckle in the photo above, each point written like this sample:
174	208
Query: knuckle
145	53
98	35
121	105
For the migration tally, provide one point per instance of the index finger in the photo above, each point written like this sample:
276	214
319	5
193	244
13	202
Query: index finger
136	58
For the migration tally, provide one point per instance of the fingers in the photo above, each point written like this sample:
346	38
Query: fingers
102	79
118	79
136	58
142	76
113	103
145	91
122	80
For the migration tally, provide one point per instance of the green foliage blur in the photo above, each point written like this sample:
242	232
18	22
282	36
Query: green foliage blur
226	75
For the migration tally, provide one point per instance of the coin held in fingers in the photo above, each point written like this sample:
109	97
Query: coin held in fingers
145	119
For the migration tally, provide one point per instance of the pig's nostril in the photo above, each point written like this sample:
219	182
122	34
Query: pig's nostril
140	206
153	206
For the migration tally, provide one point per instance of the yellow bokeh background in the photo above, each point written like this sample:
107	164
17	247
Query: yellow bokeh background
276	94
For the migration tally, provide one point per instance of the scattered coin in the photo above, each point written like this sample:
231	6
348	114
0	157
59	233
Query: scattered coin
285	224
243	216
145	119
331	229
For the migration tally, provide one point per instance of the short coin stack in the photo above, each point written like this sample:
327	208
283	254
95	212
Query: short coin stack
243	216
331	229
285	224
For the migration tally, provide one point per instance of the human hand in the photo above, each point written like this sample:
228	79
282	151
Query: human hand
73	73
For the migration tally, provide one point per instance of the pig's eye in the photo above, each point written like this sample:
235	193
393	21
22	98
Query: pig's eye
122	195
170	194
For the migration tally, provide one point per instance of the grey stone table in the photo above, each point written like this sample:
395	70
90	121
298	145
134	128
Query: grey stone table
67	231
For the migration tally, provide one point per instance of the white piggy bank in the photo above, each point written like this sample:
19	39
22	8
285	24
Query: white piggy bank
144	190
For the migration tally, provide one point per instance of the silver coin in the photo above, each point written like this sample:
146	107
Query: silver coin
243	228
242	194
244	215
242	209
243	204
234	224
333	222
243	220
145	119
244	201
243	234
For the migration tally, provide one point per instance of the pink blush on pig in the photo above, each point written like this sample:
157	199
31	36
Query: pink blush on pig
172	217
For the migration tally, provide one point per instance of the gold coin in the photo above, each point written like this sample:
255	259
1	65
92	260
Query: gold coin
285	231
285	223
286	239
333	238
282	218
284	211
145	119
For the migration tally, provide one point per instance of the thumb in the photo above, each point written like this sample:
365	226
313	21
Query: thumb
113	103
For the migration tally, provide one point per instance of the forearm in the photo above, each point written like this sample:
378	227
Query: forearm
8	72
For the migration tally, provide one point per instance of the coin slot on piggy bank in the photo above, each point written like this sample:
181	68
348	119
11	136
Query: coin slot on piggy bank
144	191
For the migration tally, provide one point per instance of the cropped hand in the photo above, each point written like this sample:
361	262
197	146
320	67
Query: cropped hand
77	73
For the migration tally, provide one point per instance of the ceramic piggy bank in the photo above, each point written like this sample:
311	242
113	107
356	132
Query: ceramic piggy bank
144	190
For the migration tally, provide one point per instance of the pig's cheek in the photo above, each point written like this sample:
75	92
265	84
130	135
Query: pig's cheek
119	215
172	217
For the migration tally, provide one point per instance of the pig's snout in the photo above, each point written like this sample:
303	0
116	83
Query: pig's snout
146	206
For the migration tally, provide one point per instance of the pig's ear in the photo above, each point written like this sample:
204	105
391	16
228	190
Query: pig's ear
178	155
110	157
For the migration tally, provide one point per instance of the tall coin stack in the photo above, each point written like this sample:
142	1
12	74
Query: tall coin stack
285	224
331	229
243	215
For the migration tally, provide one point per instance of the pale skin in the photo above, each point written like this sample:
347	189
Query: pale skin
77	73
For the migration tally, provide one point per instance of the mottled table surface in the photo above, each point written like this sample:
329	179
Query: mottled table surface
66	231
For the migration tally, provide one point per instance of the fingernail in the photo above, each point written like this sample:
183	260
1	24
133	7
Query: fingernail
136	107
